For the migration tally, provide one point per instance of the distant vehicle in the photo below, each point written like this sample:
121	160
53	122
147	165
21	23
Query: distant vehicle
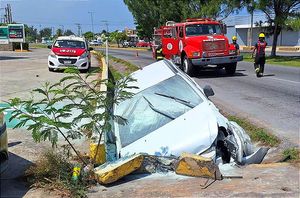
196	43
132	44
125	44
95	42
143	43
3	145
69	51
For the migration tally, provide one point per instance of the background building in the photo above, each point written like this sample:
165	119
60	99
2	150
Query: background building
240	26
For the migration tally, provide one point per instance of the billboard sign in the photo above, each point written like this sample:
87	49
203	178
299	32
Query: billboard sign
3	35
16	33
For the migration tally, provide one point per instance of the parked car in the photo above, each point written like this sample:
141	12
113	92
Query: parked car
3	145
142	43
125	44
69	51
170	114
95	42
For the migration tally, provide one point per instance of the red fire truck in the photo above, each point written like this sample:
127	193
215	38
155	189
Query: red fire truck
196	43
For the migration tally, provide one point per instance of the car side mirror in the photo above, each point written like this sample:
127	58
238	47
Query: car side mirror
208	91
49	46
91	49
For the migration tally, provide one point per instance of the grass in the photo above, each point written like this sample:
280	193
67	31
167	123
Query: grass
293	61
129	67
37	45
257	134
53	171
291	154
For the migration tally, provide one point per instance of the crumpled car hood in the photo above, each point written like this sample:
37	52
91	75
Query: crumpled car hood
192	132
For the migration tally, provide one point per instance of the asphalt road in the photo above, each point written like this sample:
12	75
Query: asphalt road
272	101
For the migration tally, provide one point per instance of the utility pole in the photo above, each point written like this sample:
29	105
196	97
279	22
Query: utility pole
52	31
251	21
7	14
106	24
106	42
63	28
78	28
92	20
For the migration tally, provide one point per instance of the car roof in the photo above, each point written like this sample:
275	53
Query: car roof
72	37
145	79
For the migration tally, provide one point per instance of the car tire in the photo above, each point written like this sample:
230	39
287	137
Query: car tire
230	68
187	66
50	69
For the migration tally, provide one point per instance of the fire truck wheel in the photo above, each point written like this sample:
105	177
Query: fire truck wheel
230	68
187	66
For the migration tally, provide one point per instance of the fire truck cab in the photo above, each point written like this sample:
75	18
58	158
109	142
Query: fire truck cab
196	43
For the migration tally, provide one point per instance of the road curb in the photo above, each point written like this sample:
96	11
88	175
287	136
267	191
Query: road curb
98	151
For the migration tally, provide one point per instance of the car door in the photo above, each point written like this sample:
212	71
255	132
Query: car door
169	41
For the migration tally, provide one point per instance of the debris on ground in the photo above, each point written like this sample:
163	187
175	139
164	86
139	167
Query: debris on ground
113	171
197	166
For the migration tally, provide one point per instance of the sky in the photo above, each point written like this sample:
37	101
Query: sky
66	13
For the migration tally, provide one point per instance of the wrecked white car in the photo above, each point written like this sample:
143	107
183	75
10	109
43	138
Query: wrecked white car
170	114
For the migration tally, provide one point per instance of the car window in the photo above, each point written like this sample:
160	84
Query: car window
202	29
154	107
69	44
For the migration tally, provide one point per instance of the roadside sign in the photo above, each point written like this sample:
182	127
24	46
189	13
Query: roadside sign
3	35
16	33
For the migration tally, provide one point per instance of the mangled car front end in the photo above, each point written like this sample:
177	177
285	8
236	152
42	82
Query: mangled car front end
170	114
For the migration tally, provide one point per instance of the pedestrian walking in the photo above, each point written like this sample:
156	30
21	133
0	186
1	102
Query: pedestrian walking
260	55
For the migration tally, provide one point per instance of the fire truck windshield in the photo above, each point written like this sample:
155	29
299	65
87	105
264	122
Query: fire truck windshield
202	29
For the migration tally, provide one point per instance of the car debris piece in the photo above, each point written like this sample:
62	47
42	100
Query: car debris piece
157	164
113	171
197	166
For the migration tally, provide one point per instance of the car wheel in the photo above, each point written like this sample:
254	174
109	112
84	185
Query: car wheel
187	66
230	68
50	69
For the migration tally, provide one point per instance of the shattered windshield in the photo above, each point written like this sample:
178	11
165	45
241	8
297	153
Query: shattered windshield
154	107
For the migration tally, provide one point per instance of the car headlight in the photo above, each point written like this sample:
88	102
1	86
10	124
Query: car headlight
84	55
52	54
196	54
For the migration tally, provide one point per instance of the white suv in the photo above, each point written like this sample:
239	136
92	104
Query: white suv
69	51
